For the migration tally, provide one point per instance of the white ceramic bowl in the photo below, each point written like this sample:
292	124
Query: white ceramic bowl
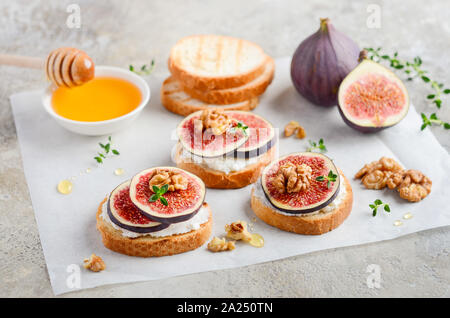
104	127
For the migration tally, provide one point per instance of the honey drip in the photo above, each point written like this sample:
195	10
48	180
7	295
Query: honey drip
118	172
65	187
257	240
407	216
398	223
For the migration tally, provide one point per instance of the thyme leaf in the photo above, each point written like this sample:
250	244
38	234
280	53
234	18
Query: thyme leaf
317	145
106	148
331	177
413	69
378	204
144	70
158	194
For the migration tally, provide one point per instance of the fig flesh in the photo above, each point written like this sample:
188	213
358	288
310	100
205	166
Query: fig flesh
261	134
321	62
126	215
182	205
315	197
372	98
204	143
258	137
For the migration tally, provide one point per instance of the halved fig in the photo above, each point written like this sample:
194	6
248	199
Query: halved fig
372	98
182	204
261	134
126	215
317	195
205	143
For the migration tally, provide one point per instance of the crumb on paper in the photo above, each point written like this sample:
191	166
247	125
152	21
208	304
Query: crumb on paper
238	231
94	263
220	245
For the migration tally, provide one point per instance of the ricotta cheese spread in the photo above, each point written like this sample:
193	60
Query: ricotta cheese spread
259	192
193	223
224	164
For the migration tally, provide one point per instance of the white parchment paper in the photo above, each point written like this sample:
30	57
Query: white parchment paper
67	223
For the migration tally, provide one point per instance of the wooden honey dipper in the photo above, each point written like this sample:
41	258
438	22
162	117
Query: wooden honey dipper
65	66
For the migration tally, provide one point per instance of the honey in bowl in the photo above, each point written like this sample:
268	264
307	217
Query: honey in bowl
102	98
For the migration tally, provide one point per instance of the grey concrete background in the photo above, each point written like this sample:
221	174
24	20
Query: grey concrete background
124	32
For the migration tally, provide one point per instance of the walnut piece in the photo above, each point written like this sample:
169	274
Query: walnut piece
175	180
94	263
291	178
215	120
238	231
220	245
376	174
301	133
290	128
294	127
412	185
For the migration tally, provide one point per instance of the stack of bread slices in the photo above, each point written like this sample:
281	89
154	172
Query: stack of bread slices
212	71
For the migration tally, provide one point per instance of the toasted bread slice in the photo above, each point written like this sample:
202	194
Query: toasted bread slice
236	94
208	62
148	246
177	101
315	224
221	180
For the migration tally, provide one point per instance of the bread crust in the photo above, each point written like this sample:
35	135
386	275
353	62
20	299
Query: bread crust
309	225
220	180
147	246
236	94
212	82
182	108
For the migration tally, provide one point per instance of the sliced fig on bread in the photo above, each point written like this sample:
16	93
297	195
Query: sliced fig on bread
296	183
261	134
204	142
126	215
181	202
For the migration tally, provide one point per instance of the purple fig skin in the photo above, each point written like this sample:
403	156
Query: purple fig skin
363	129
321	62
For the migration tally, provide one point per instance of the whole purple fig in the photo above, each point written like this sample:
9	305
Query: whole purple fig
321	62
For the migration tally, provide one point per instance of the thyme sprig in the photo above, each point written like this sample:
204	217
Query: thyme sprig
433	119
144	70
240	125
314	145
414	70
377	204
158	194
106	149
331	177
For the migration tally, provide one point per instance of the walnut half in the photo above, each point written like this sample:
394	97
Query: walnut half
94	263
220	245
238	231
375	175
215	120
292	178
175	180
412	185
294	127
